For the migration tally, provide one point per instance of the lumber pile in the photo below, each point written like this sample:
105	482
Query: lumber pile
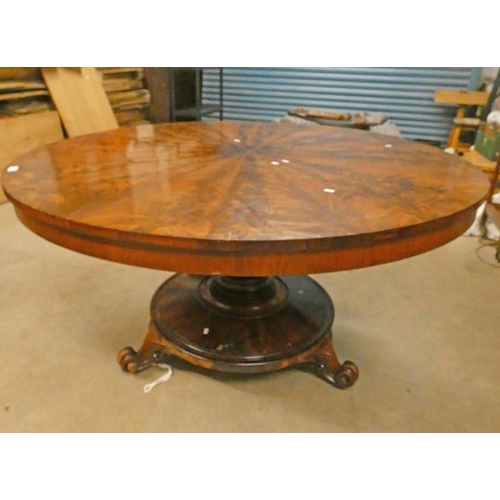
23	91
27	116
127	93
33	90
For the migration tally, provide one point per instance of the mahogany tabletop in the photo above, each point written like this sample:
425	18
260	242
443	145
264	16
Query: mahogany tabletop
244	198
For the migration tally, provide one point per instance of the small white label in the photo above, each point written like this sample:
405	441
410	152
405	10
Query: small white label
205	331
236	140
285	161
388	145
328	190
13	168
275	163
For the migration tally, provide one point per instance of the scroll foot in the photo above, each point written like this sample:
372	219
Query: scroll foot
346	375
151	352
132	361
325	365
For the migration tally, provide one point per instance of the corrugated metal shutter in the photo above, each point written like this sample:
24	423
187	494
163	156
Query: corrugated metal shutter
404	94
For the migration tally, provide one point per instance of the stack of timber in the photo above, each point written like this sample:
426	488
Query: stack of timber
23	91
127	93
27	115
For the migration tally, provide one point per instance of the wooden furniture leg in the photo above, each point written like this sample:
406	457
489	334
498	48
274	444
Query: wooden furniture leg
324	363
153	351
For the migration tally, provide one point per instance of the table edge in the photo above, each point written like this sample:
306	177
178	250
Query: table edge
247	258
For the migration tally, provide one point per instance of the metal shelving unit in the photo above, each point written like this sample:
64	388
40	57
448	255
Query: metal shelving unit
195	110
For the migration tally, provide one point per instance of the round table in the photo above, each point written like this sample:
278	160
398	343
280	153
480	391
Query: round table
243	211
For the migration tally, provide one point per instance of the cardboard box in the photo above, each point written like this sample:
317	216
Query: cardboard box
487	141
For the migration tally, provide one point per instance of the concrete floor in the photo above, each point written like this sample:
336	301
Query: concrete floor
424	332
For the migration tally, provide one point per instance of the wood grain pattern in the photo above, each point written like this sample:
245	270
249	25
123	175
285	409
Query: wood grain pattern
79	97
245	198
299	334
469	98
181	317
480	161
22	95
20	74
19	85
21	134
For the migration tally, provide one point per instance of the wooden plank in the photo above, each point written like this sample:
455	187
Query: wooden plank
321	113
121	84
22	95
80	98
128	106
21	134
128	96
467	122
136	74
20	74
469	98
109	71
20	85
480	161
23	107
